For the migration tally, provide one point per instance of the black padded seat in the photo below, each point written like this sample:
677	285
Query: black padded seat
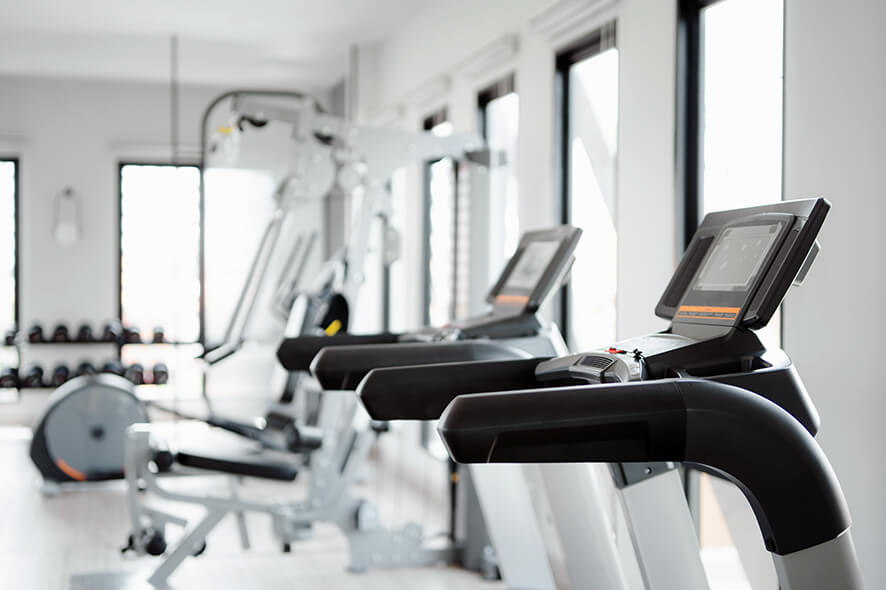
276	470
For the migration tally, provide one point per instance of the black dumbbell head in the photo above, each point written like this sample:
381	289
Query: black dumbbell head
9	338
112	332
35	334
85	368
160	374
9	377
136	373
84	333
159	336
131	335
33	377
60	374
61	334
113	367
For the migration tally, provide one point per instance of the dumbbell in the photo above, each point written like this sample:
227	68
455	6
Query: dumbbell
160	374
159	336
113	367
131	335
135	373
85	368
35	334
112	332
60	374
60	334
9	377
9	338
33	377
84	333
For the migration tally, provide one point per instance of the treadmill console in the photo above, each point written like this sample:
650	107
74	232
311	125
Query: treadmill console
542	260
540	264
740	264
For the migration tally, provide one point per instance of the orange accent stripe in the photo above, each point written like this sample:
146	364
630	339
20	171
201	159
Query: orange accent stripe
706	309
511	299
70	471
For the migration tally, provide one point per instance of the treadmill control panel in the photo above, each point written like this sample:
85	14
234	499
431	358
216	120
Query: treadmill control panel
623	362
619	366
740	264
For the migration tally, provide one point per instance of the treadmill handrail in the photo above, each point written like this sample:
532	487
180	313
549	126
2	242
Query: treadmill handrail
751	441
296	354
343	367
422	392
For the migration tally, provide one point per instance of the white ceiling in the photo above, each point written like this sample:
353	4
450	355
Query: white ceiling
268	43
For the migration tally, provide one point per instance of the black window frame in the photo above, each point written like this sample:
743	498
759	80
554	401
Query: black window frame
690	82
590	45
200	256
16	208
501	87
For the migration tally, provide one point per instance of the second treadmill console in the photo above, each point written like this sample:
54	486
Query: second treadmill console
541	262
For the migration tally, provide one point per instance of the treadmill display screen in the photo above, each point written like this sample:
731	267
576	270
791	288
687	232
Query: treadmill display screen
736	258
531	266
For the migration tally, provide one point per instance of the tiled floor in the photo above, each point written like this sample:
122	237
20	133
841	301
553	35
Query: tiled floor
44	541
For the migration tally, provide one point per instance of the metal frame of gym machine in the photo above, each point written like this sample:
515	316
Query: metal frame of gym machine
356	159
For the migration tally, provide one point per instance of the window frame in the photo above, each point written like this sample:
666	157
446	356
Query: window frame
16	202
501	87
587	46
121	164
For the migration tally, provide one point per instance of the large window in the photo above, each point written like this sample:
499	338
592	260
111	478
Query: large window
588	84
733	110
441	224
8	251
499	111
730	154
159	250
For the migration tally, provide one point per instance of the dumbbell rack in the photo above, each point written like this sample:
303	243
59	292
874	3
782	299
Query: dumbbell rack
23	353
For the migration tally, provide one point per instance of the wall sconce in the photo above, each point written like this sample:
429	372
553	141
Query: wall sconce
66	226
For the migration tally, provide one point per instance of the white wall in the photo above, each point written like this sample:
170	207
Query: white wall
438	50
74	133
835	325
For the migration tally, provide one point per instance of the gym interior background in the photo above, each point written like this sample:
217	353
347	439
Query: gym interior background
630	119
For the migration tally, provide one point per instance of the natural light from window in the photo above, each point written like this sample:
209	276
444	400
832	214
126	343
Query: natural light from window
159	250
741	126
441	235
742	110
593	129
502	128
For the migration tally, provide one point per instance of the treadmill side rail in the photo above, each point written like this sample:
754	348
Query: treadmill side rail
689	420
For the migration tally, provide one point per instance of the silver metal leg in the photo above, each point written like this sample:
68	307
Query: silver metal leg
663	533
585	530
831	565
508	509
239	515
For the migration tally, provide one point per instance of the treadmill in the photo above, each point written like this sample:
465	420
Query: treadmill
540	264
530	515
704	392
